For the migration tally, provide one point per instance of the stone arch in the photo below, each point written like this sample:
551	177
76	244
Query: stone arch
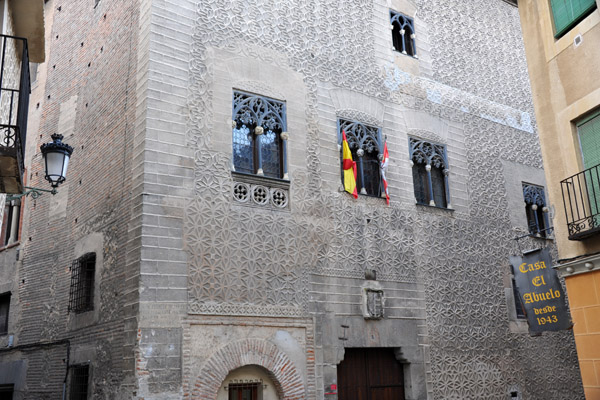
281	369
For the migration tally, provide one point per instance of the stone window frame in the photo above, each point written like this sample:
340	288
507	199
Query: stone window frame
362	138
402	25
263	113
422	151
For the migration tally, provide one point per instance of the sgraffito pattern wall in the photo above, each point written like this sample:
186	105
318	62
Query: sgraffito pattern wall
248	261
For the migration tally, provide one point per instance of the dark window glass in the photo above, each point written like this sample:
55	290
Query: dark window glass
79	382
420	183
6	392
81	297
257	144
4	309
403	33
439	191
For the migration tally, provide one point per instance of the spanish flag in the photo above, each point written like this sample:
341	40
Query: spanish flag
349	168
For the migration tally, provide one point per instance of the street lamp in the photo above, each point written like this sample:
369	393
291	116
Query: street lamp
56	160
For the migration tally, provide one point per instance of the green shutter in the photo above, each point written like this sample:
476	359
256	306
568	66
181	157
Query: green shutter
589	139
568	12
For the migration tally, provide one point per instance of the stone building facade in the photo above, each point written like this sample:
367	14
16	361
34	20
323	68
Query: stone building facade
211	277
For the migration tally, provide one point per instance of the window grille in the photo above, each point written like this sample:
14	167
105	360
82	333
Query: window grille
374	303
365	144
81	296
535	207
259	137
4	309
430	173
80	375
245	391
403	33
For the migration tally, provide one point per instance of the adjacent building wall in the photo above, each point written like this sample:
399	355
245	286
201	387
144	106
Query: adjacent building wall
564	79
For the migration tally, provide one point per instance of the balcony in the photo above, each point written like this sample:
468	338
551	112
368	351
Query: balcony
581	198
14	105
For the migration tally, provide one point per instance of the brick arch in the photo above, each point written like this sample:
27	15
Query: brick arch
283	372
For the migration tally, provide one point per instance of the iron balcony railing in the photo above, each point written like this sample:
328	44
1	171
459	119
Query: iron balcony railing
581	198
14	104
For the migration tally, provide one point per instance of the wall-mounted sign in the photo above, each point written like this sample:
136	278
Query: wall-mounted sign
540	291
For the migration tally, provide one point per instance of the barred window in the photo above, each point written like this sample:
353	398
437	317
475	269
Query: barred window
245	391
535	208
403	33
365	144
430	173
81	296
4	308
80	375
259	137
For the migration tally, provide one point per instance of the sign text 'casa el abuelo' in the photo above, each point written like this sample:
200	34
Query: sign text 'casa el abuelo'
540	291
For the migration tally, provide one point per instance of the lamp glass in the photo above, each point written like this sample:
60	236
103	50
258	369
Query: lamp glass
56	167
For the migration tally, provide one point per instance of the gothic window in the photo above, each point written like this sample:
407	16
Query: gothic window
535	208
81	294
365	144
403	33
430	173
80	375
259	136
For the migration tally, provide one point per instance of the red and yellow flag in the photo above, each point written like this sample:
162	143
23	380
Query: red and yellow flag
349	168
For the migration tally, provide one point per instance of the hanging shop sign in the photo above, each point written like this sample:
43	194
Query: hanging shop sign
540	292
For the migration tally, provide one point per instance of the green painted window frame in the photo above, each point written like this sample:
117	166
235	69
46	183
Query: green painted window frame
568	13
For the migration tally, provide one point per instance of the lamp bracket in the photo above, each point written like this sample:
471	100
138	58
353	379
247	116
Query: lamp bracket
34	192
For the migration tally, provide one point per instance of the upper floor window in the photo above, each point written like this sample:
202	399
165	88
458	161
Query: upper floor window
567	13
535	207
10	223
430	173
81	294
403	33
365	144
259	135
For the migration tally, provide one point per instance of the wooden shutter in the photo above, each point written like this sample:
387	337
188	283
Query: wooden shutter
567	13
589	140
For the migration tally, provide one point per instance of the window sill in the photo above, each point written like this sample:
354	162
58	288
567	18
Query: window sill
9	246
252	178
451	210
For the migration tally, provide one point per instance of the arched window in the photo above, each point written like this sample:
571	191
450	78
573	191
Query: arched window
365	144
430	173
259	136
403	33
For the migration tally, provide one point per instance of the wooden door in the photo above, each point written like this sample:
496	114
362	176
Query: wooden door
370	374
